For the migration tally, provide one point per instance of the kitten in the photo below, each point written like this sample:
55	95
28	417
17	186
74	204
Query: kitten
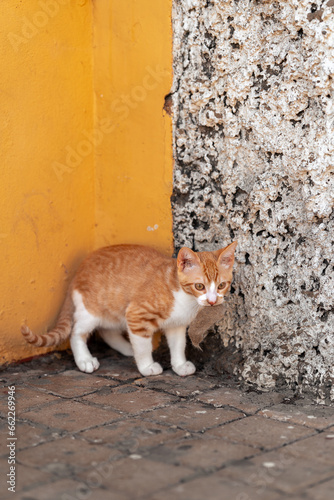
138	290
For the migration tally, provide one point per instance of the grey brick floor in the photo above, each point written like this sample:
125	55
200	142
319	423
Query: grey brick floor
114	435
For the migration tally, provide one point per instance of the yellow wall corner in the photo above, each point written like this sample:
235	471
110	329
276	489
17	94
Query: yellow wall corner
76	70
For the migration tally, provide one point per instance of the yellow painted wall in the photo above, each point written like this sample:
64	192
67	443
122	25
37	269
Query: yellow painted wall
133	74
78	170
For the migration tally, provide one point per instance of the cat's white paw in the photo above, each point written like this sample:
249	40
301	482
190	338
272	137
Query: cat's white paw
153	369
188	368
88	365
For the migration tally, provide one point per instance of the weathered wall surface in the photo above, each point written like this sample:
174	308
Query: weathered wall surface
254	161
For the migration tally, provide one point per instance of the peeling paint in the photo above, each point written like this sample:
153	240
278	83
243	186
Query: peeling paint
154	228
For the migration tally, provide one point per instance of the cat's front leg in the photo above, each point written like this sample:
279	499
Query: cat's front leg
142	349
176	338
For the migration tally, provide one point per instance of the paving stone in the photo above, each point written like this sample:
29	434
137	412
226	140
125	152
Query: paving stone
201	454
3	383
123	442
173	384
69	489
260	432
123	370
28	478
29	435
322	491
249	402
4	402
329	433
26	398
139	477
214	487
3	436
25	477
70	384
192	416
12	377
4	469
317	417
70	416
132	435
130	399
319	447
67	455
279	471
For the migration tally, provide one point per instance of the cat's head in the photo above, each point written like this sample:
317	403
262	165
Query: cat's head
206	275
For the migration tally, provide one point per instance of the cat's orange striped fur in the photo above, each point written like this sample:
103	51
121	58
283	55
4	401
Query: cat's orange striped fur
138	290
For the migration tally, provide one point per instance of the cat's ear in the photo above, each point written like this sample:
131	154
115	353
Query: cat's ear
187	260
226	255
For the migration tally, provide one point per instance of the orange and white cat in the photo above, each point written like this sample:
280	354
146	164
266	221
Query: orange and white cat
138	290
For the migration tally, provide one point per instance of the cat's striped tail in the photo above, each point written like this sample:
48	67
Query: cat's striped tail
59	333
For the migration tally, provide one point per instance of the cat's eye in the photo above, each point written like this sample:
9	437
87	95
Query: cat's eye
199	286
222	285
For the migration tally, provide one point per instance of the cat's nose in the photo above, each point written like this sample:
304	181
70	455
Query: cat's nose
212	302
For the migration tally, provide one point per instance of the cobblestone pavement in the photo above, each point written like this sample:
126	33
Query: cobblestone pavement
115	435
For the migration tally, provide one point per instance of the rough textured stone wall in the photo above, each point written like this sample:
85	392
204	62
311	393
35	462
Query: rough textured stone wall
254	161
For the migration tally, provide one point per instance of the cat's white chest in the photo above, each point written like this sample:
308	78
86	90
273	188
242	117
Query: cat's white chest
184	310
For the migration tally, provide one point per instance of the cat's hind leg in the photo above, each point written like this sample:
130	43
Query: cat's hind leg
84	324
176	339
115	340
